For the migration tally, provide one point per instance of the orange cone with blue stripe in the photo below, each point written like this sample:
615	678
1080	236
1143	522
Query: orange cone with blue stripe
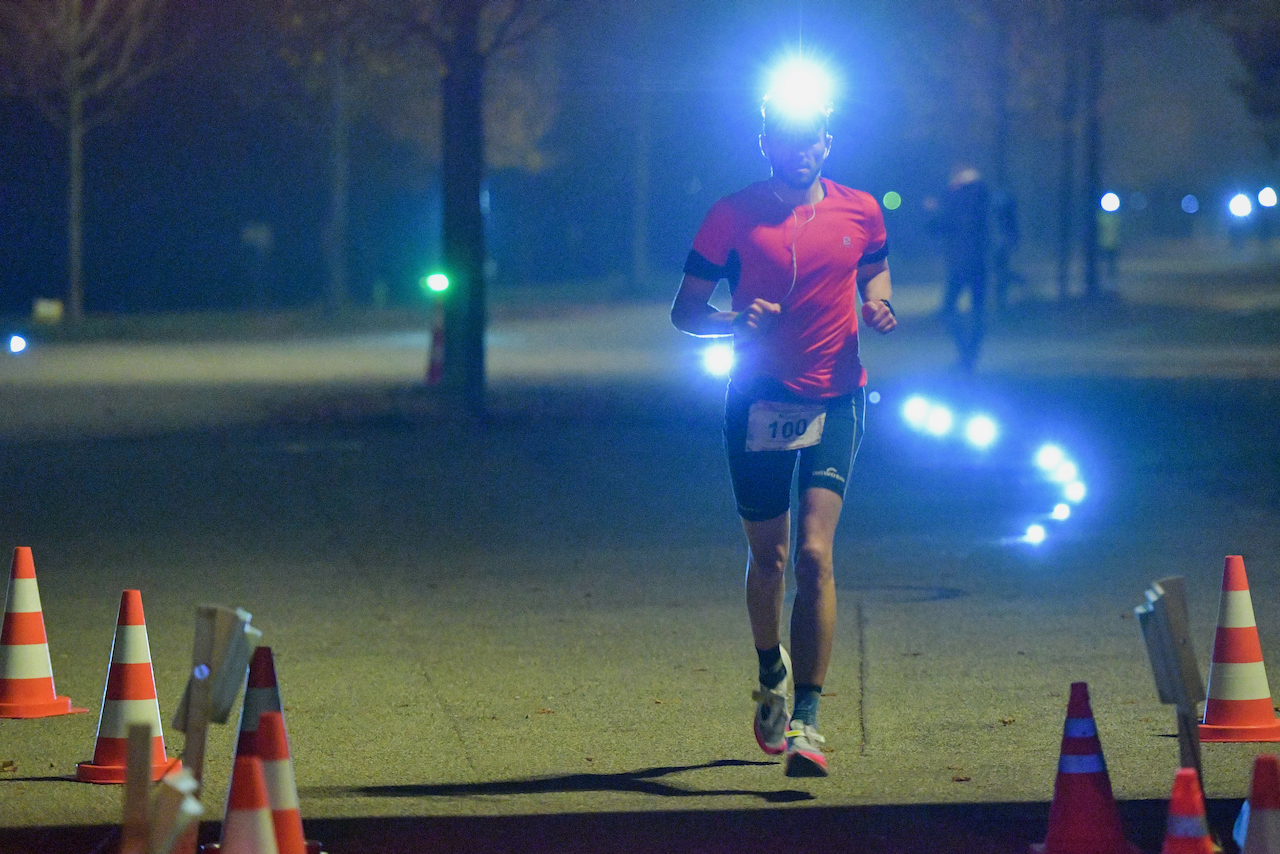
129	698
1187	832
1083	818
26	671
1238	707
1263	836
261	694
246	828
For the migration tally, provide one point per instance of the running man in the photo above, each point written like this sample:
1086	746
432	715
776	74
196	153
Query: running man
792	248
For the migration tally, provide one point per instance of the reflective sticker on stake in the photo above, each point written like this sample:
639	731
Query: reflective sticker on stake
773	426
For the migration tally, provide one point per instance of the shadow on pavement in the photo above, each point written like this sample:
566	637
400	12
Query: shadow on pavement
644	781
999	828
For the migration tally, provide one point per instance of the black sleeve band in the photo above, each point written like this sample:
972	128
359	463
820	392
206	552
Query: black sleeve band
699	267
873	257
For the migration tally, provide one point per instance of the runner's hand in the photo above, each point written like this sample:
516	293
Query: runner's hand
757	318
879	316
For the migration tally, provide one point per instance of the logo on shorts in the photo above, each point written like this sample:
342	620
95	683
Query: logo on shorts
831	473
848	241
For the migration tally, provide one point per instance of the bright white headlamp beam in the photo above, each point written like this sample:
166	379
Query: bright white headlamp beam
800	88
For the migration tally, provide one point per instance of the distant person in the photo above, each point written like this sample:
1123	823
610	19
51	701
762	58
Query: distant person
1109	243
962	220
793	248
1004	213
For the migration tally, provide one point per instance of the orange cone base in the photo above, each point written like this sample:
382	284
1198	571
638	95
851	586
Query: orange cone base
1241	732
39	709
313	847
87	772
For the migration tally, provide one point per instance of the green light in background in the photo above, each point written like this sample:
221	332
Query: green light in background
436	282
892	201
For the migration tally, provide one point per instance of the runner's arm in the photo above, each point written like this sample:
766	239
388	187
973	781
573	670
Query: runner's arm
693	312
876	290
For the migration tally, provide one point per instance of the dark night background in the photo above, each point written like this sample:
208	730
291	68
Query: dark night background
226	138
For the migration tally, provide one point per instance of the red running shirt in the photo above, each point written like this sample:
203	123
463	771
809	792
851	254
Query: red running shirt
749	238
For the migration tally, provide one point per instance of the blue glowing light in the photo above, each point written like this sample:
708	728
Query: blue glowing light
1110	203
1074	492
939	420
17	343
1267	197
916	412
981	431
1240	205
1190	203
1049	457
718	359
1061	511
1035	535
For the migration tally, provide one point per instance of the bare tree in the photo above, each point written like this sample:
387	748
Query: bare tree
78	61
471	39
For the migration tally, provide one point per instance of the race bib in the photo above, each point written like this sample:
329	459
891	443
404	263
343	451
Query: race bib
775	426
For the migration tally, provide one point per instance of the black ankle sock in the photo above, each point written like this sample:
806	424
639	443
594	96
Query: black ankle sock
771	670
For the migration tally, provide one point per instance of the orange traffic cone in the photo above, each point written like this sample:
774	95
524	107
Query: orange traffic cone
261	694
1263	836
1187	832
1239	704
272	747
129	698
1083	818
246	828
26	672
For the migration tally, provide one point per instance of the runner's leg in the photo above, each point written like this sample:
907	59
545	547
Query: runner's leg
769	543
813	616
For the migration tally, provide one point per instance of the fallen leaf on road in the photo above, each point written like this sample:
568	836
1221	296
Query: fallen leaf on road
959	779
1007	721
546	711
8	766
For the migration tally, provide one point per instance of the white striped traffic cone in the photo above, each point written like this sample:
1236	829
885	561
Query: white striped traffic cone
1263	835
271	745
1083	818
247	827
261	694
26	672
1186	831
129	698
1239	704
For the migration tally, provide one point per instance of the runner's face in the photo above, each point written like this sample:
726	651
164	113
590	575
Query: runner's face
796	159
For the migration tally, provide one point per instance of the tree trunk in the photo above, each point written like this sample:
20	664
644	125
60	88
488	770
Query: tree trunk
1067	178
335	243
462	91
75	171
1092	150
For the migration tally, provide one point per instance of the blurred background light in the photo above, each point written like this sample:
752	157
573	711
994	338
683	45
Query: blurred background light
17	343
1240	205
435	282
1190	203
916	411
1066	472
1074	491
892	201
939	420
1049	457
1110	202
718	359
1034	535
874	397
981	431
1061	511
1267	197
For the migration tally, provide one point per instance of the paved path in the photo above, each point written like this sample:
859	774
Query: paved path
543	615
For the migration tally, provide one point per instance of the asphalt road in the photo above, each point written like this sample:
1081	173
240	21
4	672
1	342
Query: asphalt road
528	633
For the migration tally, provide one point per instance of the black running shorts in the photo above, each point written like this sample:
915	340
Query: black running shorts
762	479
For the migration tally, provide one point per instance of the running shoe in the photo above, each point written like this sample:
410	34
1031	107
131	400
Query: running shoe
772	719
804	753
